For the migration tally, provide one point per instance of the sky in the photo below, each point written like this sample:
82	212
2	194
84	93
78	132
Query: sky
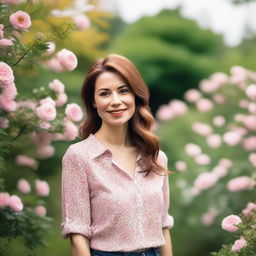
221	16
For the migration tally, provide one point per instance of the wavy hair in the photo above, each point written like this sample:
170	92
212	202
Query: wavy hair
141	122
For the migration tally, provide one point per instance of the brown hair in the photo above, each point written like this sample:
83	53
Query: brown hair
142	120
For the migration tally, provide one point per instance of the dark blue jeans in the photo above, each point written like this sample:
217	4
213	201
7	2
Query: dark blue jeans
148	252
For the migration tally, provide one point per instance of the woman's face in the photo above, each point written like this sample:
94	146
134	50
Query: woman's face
113	98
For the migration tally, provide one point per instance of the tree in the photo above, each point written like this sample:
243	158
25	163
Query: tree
172	53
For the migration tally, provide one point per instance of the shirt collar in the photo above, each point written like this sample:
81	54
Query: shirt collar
96	148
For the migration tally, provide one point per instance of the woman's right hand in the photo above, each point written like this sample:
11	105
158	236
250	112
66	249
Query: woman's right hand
80	245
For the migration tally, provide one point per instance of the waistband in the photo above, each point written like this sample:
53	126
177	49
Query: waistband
156	250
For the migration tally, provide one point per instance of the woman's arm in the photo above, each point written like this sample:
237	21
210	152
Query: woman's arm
80	245
166	249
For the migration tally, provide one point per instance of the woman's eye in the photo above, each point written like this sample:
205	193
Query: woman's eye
103	93
124	90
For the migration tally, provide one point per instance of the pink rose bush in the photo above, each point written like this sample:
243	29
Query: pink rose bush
214	154
32	121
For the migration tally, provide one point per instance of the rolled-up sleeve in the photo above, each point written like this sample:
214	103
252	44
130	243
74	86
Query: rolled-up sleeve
167	219
75	198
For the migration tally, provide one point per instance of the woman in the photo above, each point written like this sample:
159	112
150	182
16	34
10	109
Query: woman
115	193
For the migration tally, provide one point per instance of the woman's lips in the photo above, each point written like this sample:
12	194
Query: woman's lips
117	113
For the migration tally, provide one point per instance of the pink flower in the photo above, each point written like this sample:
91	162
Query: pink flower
220	78
6	74
74	112
219	98
202	159
23	186
225	162
10	91
26	161
219	121
220	171
20	20
249	208
40	210
7	104
62	98
54	65
82	22
214	140
207	219
239	244
4	199
58	136
192	149
240	183
27	103
192	95
44	125
71	131
178	107
57	86
239	117
42	138
181	166
42	188
1	33
6	42
4	122
252	107
204	105
47	100
209	86
239	74
251	91
243	103
164	113
201	128
46	112
232	138
15	2
250	122
67	59
252	159
229	223
205	180
16	203
249	143
45	151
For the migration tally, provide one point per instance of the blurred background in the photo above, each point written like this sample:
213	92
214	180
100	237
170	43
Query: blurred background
198	59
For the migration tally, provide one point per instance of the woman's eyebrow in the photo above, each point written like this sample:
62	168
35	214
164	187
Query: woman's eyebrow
121	86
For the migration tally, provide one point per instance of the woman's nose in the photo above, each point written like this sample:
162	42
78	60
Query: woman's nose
115	98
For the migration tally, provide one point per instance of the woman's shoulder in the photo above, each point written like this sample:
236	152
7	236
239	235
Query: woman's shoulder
162	155
76	149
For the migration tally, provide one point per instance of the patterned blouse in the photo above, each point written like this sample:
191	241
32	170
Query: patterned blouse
105	203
